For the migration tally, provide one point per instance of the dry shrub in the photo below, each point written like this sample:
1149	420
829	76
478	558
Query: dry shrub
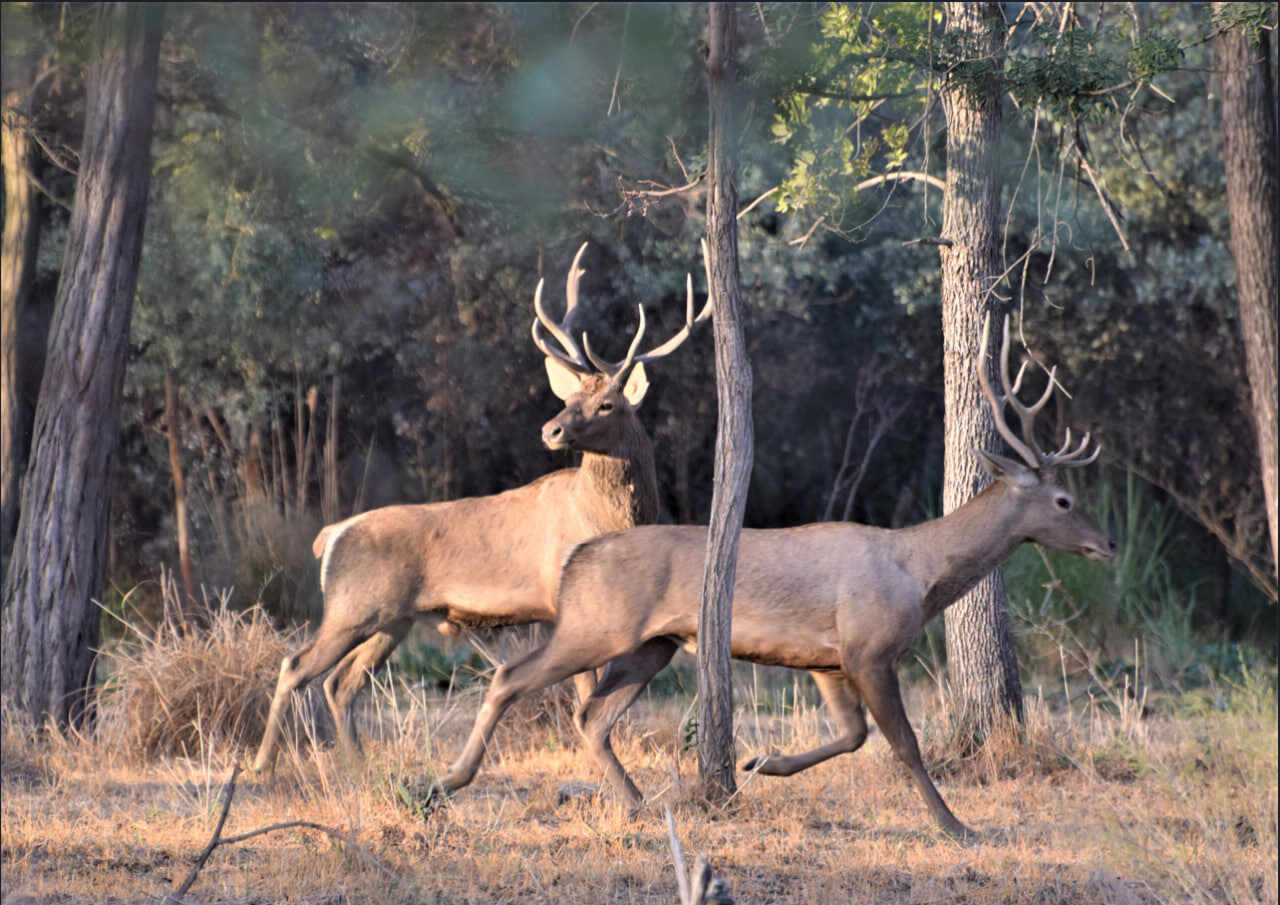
1038	746
188	686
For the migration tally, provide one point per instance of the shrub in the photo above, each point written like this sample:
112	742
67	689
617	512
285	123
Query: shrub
186	687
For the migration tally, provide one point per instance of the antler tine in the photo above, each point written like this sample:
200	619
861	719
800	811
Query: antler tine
614	368
571	283
689	320
571	355
619	370
1027	447
1072	459
1029	453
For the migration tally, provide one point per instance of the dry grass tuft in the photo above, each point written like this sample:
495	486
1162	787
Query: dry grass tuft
184	688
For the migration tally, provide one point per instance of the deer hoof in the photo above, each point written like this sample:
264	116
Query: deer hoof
573	791
420	796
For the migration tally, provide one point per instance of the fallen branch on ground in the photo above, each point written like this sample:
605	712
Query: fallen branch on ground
699	888
228	790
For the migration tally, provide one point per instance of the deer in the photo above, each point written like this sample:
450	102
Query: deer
492	560
840	600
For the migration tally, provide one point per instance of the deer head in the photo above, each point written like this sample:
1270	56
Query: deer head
600	396
1046	512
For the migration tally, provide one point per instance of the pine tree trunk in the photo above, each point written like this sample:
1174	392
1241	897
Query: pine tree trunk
60	555
980	658
1250	155
733	432
17	275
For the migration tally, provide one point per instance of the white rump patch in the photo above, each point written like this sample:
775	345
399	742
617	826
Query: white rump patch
338	531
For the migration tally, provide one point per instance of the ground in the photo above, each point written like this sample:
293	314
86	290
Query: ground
1176	804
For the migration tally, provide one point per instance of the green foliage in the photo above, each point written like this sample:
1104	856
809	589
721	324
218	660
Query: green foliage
1252	18
371	193
831	116
453	666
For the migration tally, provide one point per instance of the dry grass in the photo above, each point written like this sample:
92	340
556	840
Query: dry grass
179	688
1090	805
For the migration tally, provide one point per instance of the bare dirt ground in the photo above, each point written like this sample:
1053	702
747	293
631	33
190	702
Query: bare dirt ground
1092	806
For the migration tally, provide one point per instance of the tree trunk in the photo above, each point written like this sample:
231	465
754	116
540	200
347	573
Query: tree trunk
733	430
179	492
1250	156
329	502
59	558
980	658
17	275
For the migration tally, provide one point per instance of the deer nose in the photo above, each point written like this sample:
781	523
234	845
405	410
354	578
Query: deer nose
553	435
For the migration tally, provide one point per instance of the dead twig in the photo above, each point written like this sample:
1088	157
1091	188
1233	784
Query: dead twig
699	887
228	791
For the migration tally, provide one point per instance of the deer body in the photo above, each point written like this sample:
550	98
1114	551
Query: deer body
482	561
843	601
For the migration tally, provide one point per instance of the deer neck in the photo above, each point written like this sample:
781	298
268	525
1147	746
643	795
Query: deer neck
953	553
622	486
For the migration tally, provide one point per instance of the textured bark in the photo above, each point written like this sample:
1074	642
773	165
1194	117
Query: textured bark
17	274
1250	156
733	429
60	554
980	657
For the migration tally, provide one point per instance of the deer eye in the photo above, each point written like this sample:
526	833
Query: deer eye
1063	502
605	407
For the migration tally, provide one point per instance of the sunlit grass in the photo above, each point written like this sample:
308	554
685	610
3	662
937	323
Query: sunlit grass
1085	803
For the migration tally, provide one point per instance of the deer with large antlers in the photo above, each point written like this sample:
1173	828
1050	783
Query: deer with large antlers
841	600
485	561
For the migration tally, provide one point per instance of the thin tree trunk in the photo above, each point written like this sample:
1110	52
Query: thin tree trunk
17	275
60	555
1250	156
981	663
733	432
179	491
329	502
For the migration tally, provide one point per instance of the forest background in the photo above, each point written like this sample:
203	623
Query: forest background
350	207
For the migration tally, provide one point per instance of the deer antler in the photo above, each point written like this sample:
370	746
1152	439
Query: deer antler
569	353
1026	446
618	371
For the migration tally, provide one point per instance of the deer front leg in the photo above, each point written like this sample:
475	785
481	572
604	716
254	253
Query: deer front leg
846	708
879	687
623	680
536	669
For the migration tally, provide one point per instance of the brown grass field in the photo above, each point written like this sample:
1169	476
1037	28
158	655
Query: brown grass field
1091	804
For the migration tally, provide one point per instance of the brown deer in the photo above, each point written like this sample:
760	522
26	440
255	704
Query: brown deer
841	600
492	560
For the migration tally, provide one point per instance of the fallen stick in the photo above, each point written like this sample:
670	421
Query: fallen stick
228	791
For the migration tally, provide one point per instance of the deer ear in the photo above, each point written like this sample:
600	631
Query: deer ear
637	385
563	379
1007	470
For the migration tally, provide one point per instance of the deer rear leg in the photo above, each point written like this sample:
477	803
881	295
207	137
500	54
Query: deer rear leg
328	646
349	678
623	680
879	687
846	708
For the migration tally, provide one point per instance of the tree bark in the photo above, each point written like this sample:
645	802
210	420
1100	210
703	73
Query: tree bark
17	275
733	429
981	663
1250	156
60	555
